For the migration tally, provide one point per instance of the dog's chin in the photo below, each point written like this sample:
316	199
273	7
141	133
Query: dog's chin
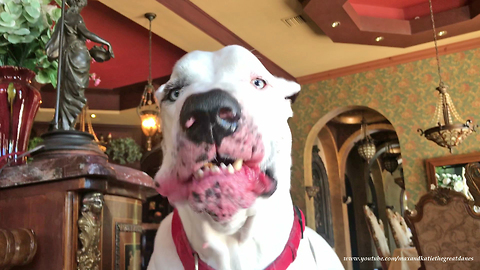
232	225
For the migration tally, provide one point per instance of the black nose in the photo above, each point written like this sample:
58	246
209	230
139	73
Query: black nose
209	117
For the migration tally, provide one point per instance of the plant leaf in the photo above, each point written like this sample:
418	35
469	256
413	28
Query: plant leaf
53	77
14	9
6	17
33	11
41	77
14	39
21	32
6	20
56	14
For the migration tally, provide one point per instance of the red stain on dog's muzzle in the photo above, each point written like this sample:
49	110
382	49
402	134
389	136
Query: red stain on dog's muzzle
222	194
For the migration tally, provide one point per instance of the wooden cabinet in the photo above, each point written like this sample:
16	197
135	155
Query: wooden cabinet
83	211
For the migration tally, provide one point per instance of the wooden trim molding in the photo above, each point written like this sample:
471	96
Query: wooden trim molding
390	61
196	16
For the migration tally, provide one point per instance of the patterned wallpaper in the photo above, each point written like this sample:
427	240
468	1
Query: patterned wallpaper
405	94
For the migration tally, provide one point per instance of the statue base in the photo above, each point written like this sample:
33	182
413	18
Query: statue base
67	142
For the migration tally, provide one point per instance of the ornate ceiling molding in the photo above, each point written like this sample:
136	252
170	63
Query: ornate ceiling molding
361	28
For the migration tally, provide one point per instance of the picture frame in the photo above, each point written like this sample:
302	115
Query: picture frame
128	246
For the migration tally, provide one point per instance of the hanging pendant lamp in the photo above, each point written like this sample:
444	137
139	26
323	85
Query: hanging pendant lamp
390	162
366	147
148	109
447	133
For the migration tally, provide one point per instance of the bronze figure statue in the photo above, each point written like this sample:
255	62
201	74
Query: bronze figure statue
76	62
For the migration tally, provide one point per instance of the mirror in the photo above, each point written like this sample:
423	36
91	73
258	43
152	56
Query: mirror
449	171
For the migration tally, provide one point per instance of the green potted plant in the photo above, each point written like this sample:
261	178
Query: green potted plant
124	151
25	28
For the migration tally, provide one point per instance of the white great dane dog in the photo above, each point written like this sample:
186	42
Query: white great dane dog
226	169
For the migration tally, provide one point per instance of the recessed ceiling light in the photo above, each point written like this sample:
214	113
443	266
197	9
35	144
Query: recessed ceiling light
379	38
335	24
442	33
92	115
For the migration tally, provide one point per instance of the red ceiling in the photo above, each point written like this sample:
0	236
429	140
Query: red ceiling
130	46
402	9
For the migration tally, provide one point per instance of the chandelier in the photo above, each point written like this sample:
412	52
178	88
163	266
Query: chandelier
390	162
446	134
148	109
366	147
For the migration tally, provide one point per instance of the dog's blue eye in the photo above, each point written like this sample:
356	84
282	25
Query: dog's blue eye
259	83
173	94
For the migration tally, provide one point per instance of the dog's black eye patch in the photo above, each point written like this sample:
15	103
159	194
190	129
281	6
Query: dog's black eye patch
293	97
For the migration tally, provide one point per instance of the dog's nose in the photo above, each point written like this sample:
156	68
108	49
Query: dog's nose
211	116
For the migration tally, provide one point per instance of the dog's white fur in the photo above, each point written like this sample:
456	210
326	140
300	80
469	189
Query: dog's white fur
254	237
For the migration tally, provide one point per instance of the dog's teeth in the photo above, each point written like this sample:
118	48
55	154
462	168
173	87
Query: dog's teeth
237	165
199	173
223	166
206	169
215	169
230	169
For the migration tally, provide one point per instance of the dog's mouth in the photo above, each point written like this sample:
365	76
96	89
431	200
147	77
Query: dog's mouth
218	179
222	186
219	165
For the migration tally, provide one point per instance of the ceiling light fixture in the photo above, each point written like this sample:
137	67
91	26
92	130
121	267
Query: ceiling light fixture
442	33
92	115
148	109
379	38
366	147
445	134
390	162
335	24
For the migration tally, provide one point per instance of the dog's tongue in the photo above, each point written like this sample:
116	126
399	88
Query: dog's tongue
222	194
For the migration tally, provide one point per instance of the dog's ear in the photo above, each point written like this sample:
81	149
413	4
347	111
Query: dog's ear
290	89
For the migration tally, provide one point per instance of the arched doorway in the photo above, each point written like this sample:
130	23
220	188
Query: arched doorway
338	140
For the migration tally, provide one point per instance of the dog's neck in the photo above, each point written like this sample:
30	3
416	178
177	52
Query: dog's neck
252	240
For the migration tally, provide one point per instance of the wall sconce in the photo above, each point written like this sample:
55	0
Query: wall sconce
312	191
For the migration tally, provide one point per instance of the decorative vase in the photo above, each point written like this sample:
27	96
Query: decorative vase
19	103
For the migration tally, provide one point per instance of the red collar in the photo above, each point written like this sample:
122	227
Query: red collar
288	255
